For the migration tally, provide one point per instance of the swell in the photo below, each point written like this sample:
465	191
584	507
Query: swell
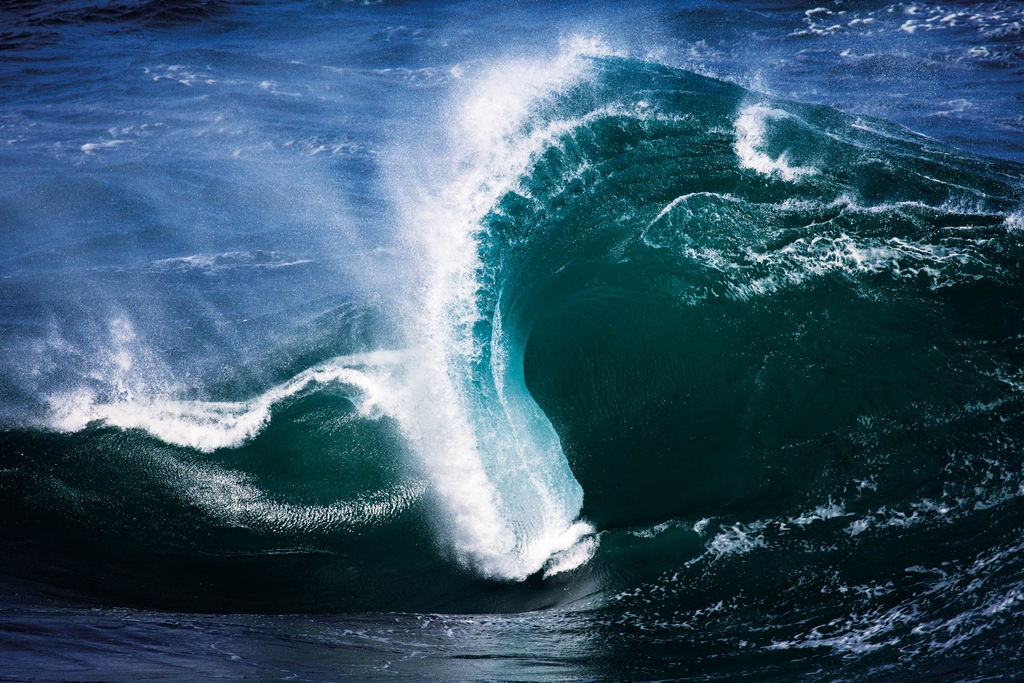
736	323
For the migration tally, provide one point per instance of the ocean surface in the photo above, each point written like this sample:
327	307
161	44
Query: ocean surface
523	341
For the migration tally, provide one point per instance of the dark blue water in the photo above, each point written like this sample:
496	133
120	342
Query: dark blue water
453	341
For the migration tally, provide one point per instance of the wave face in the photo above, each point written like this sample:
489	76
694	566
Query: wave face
781	347
667	378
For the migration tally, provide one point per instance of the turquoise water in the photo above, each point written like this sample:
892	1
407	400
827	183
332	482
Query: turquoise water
372	342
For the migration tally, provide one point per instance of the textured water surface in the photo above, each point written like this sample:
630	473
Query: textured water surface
546	342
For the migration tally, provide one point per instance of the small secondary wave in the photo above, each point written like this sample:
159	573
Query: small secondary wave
210	425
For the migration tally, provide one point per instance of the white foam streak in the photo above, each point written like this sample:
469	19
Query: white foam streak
812	258
753	268
209	425
231	498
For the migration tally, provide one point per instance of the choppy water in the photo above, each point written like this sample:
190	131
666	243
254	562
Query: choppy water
589	342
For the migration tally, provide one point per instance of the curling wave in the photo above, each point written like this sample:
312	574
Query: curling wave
664	337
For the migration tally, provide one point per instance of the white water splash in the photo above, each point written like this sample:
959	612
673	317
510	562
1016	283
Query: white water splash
126	398
750	128
495	462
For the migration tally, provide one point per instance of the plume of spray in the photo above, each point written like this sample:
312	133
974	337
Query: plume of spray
510	501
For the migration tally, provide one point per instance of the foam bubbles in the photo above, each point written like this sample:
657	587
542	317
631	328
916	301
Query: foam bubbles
232	498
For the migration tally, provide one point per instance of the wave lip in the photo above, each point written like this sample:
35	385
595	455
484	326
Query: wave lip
510	501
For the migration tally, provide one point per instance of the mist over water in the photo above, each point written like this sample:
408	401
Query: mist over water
537	343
